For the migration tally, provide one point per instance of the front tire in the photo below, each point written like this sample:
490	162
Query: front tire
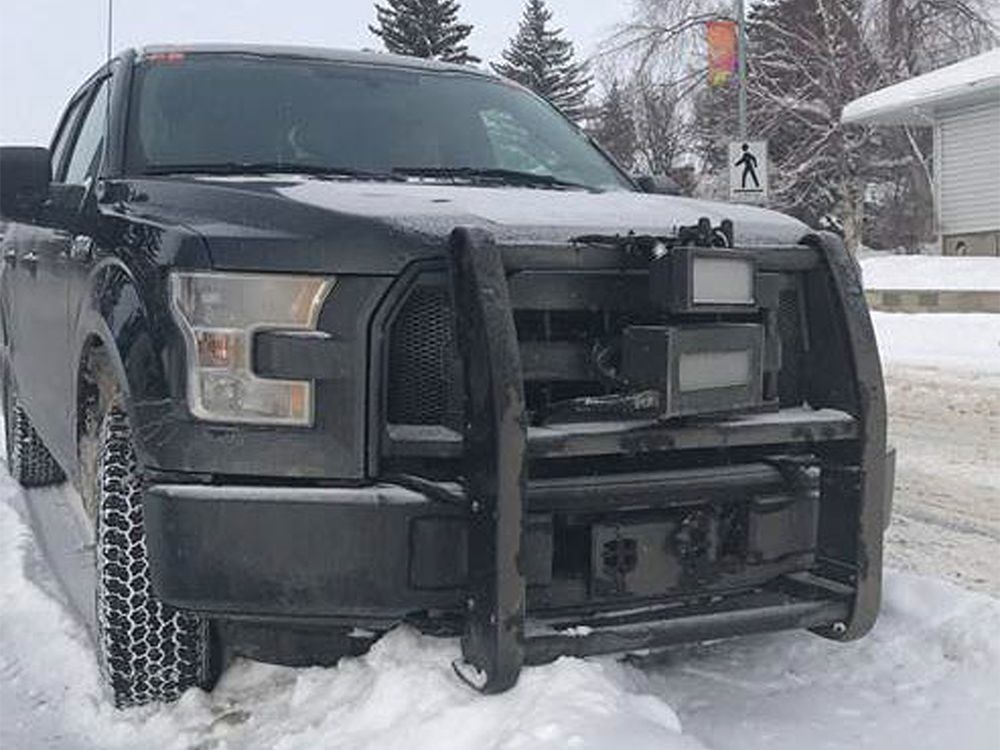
147	651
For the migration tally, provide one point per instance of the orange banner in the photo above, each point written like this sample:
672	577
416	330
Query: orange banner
721	37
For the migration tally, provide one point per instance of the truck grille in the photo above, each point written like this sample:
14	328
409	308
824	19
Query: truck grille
793	347
560	353
424	374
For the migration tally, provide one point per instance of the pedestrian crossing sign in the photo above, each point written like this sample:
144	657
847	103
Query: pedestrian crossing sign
748	171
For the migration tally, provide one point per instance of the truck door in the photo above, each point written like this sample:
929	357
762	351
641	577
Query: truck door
20	271
9	232
44	364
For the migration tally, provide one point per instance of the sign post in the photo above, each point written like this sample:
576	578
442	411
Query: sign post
748	181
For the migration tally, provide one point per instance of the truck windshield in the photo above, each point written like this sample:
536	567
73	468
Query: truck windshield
229	113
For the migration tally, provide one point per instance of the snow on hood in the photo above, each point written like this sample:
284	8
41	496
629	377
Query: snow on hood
429	207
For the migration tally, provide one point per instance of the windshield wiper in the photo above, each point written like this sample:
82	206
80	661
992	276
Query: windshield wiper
492	174
266	168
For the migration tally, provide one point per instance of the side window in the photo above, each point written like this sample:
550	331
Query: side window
62	139
86	153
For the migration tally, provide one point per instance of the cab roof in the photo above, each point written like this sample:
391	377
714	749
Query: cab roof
354	57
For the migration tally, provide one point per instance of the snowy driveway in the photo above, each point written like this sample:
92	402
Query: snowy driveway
927	677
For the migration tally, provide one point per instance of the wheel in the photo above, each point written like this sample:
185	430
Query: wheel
28	460
147	651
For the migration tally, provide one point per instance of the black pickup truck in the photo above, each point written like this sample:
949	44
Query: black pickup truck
331	341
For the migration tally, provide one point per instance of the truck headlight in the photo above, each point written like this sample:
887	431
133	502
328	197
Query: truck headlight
219	313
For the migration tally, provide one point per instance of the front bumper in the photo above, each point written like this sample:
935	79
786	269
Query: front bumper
376	555
365	555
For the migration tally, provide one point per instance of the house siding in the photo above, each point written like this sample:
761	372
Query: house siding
969	169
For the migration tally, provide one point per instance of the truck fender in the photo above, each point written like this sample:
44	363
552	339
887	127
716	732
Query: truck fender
115	326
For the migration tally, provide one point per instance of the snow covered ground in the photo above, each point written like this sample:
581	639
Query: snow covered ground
946	518
882	271
928	676
943	388
967	343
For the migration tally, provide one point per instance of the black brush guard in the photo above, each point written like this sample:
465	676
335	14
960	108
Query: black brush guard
841	603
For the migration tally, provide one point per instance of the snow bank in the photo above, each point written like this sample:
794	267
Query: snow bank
403	694
925	678
961	341
931	272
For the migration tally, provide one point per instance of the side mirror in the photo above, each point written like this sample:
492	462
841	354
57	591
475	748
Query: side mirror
25	175
660	184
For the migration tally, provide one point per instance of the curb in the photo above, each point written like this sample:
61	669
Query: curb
933	300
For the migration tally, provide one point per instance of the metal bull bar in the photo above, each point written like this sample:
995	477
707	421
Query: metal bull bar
494	644
495	448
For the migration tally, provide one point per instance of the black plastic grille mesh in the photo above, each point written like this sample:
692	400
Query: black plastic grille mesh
425	375
792	348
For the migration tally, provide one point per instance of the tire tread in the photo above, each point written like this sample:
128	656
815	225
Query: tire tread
149	652
28	460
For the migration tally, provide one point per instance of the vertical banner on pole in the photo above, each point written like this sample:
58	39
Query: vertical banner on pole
722	51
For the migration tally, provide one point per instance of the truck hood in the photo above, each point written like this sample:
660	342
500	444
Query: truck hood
368	227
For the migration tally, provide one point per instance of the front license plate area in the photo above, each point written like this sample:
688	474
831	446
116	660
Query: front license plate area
634	559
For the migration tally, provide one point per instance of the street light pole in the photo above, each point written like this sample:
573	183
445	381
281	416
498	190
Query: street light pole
742	63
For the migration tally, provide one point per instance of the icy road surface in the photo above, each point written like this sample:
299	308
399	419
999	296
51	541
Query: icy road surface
928	677
942	375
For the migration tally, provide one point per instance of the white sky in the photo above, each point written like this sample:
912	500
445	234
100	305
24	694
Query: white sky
48	47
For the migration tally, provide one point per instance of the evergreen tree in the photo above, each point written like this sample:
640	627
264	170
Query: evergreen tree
423	28
541	59
615	125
